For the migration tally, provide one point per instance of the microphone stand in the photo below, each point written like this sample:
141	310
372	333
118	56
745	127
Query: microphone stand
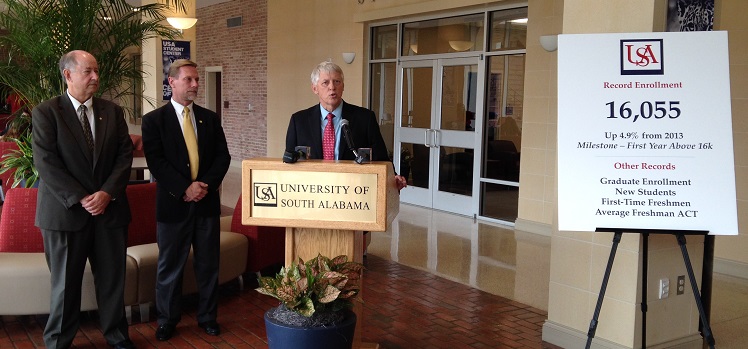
347	134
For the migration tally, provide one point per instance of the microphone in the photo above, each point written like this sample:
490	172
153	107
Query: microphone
347	134
361	155
301	152
290	157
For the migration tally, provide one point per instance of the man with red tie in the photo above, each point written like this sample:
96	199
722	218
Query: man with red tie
318	127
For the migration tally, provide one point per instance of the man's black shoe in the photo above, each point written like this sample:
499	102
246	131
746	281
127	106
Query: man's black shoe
125	344
164	332
210	327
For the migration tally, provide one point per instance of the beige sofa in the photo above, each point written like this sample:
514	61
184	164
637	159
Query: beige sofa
25	278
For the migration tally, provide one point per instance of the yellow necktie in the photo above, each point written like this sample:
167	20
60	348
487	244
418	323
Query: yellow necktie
191	141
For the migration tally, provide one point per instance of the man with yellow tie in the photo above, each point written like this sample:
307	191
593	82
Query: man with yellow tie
186	152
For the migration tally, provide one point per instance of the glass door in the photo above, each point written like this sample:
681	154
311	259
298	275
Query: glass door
439	110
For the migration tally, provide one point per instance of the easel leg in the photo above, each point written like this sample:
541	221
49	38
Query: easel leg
601	295
705	323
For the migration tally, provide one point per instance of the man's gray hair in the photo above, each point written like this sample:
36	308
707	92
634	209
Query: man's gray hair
68	61
327	67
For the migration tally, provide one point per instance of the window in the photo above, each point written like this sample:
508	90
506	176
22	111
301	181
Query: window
443	35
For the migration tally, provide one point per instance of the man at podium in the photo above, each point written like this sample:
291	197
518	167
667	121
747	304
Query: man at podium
320	126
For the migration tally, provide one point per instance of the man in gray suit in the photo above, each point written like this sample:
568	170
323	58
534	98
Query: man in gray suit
83	153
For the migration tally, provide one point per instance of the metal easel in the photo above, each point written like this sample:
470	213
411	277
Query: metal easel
680	235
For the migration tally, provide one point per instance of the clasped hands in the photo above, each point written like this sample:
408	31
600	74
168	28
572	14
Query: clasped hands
96	203
195	192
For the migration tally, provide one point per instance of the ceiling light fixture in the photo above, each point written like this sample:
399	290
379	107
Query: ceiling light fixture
181	23
460	45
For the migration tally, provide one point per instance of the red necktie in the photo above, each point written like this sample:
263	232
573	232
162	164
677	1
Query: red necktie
328	140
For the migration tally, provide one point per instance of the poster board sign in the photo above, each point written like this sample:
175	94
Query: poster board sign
172	50
645	132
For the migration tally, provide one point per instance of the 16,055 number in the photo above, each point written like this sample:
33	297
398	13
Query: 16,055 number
647	110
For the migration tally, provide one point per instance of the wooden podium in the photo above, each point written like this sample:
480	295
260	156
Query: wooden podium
325	206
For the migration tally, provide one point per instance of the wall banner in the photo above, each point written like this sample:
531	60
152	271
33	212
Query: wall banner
171	51
645	132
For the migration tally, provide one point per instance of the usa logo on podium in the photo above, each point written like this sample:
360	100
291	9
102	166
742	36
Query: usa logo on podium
265	194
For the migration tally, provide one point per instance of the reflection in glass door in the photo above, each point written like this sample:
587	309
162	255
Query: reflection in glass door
436	133
502	137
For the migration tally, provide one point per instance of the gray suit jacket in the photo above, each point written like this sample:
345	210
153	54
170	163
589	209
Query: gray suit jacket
69	171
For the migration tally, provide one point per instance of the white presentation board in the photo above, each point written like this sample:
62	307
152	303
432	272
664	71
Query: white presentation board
645	132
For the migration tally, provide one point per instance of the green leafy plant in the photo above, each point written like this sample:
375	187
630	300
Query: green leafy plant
36	33
320	284
22	161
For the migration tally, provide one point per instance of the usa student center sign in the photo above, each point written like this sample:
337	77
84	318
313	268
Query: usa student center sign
645	132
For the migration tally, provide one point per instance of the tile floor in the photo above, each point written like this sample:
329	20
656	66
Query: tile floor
434	281
403	308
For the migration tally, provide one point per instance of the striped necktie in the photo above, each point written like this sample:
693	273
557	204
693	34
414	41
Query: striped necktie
83	118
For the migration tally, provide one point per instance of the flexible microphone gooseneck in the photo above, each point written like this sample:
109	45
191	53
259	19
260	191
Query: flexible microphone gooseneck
360	158
347	134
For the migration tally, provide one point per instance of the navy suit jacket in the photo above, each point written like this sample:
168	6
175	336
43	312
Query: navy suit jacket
305	129
69	170
168	162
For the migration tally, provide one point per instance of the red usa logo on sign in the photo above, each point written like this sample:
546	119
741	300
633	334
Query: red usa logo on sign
642	57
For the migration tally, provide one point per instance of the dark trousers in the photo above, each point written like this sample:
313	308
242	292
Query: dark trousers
174	242
66	253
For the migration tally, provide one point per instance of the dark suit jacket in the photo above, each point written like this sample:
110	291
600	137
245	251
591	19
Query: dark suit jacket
65	168
305	129
166	155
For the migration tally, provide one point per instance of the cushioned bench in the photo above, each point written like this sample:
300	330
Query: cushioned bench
266	245
231	266
25	286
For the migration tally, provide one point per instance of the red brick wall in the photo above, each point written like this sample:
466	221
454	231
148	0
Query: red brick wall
242	54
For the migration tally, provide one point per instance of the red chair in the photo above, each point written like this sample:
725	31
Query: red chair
17	230
19	234
267	245
142	228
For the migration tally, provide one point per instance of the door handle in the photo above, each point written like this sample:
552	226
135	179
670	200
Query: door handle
426	138
435	138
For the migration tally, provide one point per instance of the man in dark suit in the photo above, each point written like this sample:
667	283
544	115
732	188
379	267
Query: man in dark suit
309	127
186	152
83	153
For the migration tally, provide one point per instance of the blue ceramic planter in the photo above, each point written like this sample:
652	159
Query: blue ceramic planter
282	336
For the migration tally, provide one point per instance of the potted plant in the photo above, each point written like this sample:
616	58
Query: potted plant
36	33
316	300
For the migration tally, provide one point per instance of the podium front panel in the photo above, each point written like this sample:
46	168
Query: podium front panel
318	194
